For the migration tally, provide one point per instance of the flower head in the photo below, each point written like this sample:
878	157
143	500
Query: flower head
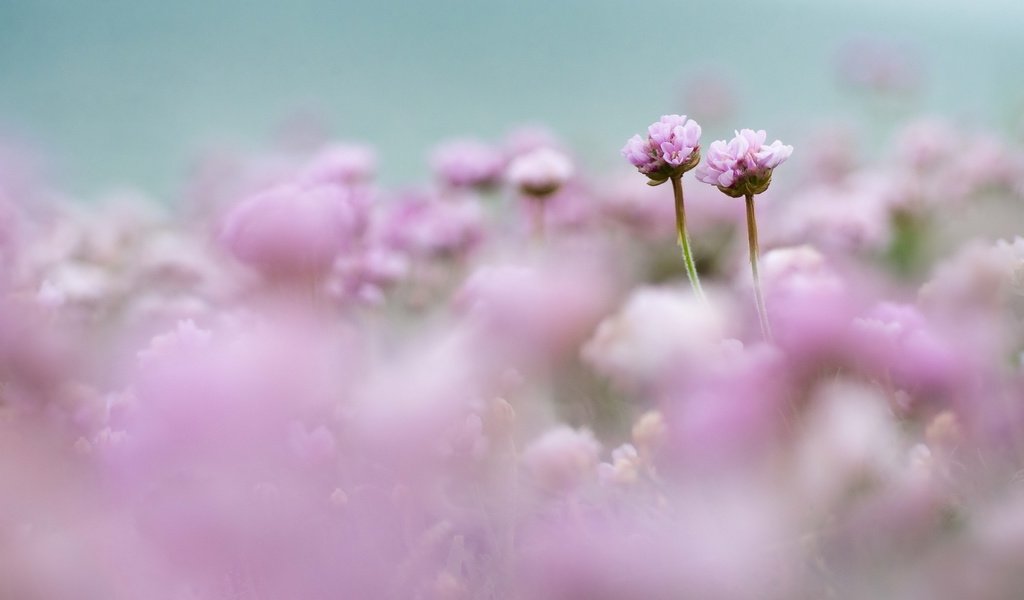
744	164
540	172
293	229
672	147
467	163
342	164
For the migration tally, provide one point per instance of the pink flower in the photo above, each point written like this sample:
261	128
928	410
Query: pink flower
540	172
562	458
467	163
744	164
424	226
293	230
672	147
657	332
342	164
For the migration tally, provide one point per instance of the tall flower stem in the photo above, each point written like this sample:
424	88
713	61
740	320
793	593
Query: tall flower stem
684	237
762	313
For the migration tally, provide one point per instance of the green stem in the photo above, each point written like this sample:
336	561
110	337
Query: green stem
684	237
762	313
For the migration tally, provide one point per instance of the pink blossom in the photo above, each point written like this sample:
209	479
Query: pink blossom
562	458
342	164
657	333
539	172
672	147
744	164
425	226
294	229
467	163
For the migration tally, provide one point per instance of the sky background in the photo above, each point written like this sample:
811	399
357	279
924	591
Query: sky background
130	92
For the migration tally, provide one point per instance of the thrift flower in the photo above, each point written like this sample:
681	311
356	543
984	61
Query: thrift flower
539	173
289	229
467	163
743	167
342	164
672	147
562	458
744	164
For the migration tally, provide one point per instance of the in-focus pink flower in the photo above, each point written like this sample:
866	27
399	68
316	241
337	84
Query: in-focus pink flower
744	164
672	147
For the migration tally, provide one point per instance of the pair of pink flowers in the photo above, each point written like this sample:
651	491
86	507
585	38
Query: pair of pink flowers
741	167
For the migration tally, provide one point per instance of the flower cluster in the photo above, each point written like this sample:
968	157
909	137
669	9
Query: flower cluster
743	166
298	382
672	147
540	172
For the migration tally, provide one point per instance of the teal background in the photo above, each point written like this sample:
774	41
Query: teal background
129	91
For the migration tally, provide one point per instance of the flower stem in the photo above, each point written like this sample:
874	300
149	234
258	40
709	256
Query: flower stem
762	313
537	208
684	237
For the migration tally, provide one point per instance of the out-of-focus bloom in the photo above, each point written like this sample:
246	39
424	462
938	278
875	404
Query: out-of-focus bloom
730	413
623	468
529	138
831	151
648	432
744	164
979	276
570	209
853	216
404	419
543	313
710	96
671	148
10	225
78	283
851	442
366	275
812	304
657	333
926	143
716	546
294	230
562	458
897	344
638	207
342	164
424	226
539	173
989	164
467	163
878	65
311	445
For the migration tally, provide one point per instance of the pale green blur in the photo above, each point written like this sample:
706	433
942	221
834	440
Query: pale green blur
129	91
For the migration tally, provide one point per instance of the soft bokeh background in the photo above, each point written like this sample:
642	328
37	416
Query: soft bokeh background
130	91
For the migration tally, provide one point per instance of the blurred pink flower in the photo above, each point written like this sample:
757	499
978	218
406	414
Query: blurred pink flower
467	163
562	458
294	230
540	172
342	164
